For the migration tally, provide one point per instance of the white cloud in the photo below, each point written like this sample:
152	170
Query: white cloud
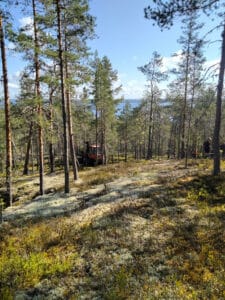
214	63
13	85
171	61
15	76
133	89
211	72
122	76
11	46
26	21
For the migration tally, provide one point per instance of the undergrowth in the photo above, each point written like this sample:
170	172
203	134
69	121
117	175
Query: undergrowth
105	174
168	244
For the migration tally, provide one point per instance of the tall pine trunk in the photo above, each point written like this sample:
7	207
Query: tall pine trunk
64	108
51	147
27	157
189	120
216	135
71	137
69	112
150	126
184	108
125	141
7	117
38	95
96	129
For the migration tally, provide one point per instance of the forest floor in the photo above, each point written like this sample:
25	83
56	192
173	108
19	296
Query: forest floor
137	230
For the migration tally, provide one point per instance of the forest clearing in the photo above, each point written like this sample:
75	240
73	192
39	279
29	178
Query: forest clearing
135	230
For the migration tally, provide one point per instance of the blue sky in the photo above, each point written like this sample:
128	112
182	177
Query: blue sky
128	40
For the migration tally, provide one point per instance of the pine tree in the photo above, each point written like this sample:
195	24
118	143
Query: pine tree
124	125
25	114
154	75
105	103
76	27
29	41
188	75
163	13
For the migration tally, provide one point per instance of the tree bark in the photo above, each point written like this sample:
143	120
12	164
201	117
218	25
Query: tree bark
150	127
189	120
96	129
183	117
27	158
216	135
125	141
51	147
7	117
70	125
38	95
64	108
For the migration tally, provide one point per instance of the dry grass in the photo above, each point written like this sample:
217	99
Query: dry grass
165	243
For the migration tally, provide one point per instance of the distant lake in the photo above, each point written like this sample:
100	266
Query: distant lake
136	102
133	103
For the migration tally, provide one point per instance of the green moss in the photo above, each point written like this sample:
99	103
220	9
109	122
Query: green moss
29	257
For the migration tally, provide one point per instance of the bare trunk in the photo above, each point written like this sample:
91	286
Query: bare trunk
71	138
183	119
216	135
27	158
64	108
126	142
51	148
7	118
189	122
170	150
179	140
104	149
150	128
38	95
104	146
96	130
70	125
